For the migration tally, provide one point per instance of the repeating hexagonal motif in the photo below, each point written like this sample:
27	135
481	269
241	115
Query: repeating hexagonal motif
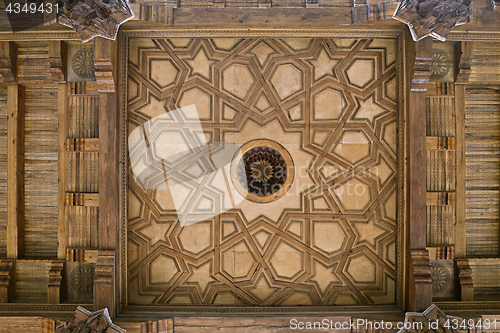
333	241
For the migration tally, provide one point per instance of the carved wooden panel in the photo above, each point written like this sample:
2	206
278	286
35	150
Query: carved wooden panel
3	171
41	171
482	163
332	238
33	65
485	65
440	116
32	280
485	278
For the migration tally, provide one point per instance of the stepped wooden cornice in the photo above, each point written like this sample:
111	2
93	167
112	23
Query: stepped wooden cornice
433	18
86	321
95	18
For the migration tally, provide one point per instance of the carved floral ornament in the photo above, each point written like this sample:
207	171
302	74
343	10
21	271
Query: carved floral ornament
84	321
433	18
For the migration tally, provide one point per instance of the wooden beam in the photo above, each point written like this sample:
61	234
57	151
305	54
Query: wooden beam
440	142
62	231
254	17
104	282
8	62
154	12
418	61
15	171
463	61
460	231
109	185
82	199
56	290
82	145
7	281
109	192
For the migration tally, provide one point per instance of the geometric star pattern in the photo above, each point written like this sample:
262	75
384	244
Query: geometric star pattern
331	239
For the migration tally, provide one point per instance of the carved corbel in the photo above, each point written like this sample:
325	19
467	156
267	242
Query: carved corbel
465	278
57	52
104	281
8	62
104	65
56	288
422	65
422	280
463	61
85	321
7	281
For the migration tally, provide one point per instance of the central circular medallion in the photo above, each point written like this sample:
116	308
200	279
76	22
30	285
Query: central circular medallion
262	171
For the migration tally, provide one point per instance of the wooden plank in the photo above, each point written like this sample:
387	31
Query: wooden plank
62	232
253	17
155	13
440	198
440	142
109	185
418	60
82	145
460	230
15	171
82	199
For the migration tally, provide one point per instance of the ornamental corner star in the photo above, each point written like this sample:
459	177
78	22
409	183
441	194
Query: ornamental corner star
94	18
433	18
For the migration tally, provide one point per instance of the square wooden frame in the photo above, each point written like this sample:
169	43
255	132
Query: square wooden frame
401	107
